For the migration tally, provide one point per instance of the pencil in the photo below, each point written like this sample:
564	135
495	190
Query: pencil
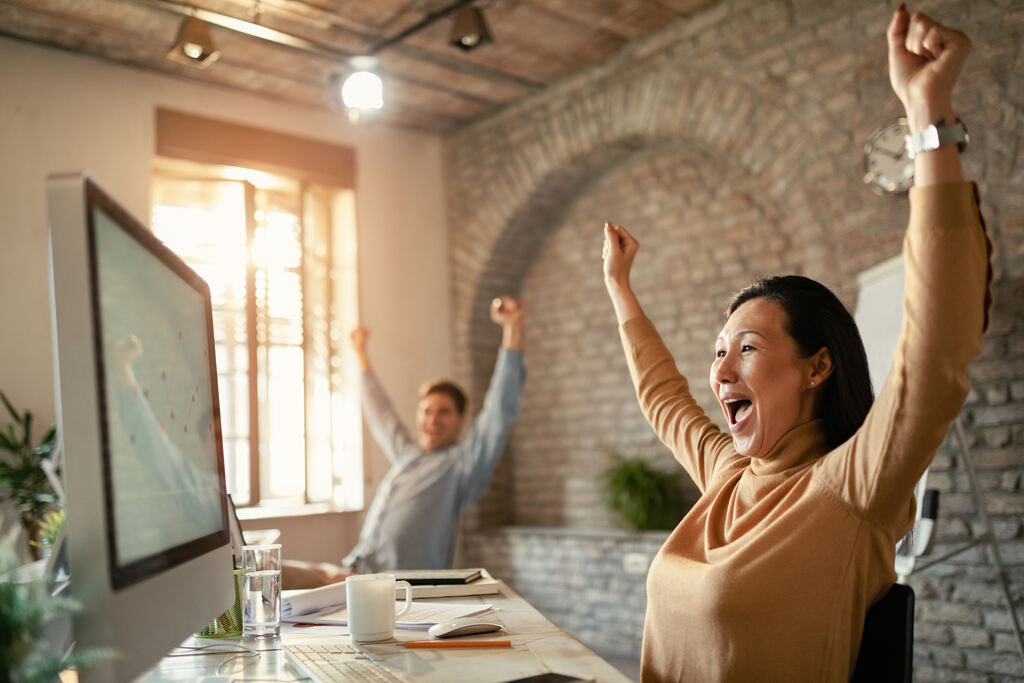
458	643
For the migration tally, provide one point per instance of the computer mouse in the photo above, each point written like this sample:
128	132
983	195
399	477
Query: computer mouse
463	627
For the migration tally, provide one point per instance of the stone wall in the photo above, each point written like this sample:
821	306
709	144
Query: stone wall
730	144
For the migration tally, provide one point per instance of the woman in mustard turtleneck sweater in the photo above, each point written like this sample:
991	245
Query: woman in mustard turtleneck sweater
769	576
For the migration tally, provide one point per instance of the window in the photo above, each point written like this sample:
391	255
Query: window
279	255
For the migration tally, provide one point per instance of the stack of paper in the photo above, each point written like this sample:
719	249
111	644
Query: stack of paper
420	617
333	595
325	597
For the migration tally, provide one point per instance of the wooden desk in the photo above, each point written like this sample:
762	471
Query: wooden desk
538	646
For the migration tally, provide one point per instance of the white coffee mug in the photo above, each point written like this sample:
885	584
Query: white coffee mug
371	605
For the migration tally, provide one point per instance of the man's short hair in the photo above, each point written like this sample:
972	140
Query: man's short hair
443	386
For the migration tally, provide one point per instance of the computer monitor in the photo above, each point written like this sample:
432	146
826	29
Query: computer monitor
138	413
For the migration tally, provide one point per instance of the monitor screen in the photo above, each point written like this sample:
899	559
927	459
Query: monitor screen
137	411
159	420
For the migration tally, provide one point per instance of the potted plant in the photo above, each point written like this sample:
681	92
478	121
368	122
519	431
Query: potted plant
22	478
27	609
49	528
646	498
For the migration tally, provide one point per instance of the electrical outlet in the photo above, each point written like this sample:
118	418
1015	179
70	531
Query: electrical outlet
635	563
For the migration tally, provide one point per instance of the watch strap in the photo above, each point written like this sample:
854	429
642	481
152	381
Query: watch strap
933	137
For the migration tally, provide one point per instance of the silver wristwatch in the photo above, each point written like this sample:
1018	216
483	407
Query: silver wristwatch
933	137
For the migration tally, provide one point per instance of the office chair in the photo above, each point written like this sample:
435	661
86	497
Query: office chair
887	647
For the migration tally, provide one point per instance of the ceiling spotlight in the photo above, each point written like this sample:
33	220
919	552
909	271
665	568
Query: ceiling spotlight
470	29
363	90
194	46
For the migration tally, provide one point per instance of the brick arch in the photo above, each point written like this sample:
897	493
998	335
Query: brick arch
515	247
540	164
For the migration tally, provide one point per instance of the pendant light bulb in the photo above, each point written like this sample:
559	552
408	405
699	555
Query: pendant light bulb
363	88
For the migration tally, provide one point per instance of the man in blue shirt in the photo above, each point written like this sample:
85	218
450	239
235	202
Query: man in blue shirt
412	521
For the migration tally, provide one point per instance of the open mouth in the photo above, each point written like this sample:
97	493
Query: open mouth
738	409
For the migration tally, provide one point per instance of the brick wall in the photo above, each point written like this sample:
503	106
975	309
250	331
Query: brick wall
592	583
731	145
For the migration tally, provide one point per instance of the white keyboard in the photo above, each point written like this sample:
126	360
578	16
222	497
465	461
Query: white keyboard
339	663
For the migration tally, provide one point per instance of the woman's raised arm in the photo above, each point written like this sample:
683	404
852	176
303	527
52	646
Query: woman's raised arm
946	257
925	59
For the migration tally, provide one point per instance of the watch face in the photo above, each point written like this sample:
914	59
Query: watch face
887	164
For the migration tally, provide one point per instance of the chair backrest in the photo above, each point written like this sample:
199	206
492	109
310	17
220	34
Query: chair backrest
887	647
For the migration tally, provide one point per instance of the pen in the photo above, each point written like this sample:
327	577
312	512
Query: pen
458	643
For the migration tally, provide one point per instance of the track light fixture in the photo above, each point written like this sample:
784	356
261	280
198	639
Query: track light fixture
362	90
469	30
357	87
194	46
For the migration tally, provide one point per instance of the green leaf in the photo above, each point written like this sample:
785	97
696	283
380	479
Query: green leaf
15	442
27	440
10	408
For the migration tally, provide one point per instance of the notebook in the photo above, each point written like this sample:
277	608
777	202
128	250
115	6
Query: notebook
435	577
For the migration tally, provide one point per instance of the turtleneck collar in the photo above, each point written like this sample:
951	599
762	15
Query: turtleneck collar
800	445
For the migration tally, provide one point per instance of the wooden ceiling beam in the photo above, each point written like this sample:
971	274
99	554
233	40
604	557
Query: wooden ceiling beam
468	68
293	49
315	47
325	51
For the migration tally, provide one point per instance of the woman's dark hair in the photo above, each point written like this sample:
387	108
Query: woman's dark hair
450	389
816	318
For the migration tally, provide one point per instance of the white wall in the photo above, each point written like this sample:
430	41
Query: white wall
61	112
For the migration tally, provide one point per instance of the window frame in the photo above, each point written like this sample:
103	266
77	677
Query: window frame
314	164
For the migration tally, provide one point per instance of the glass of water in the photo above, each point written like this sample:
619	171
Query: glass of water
261	591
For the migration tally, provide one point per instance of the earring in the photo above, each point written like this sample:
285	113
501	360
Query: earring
812	382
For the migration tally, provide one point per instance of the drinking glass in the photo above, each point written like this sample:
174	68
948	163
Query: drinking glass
261	591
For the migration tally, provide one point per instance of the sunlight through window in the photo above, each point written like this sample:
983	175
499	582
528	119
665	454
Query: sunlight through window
283	292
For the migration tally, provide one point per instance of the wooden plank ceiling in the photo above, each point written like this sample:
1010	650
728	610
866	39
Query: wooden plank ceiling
429	84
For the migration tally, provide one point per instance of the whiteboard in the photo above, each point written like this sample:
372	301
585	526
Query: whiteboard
879	315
